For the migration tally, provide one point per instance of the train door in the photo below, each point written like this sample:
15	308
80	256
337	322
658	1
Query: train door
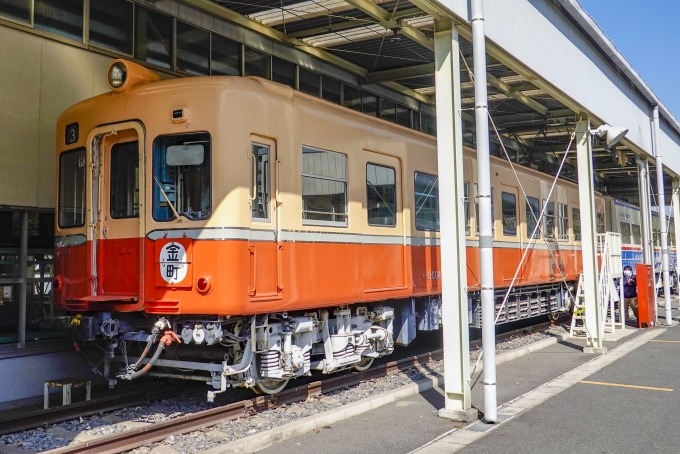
117	195
383	249
264	248
511	252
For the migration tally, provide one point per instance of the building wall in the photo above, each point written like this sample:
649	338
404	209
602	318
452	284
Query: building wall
39	78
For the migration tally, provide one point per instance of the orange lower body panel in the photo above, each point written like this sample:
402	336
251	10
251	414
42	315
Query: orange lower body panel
261	277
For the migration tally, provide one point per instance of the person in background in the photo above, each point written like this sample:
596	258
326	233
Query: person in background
629	292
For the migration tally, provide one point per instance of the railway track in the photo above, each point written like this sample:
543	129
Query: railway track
137	437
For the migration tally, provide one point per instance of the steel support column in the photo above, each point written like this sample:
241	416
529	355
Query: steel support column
485	216
643	188
586	191
676	223
452	225
23	274
661	200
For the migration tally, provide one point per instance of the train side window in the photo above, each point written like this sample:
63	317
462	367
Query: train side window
533	212
381	195
549	219
562	222
466	207
509	207
576	221
625	233
637	236
72	188
493	223
656	237
426	189
181	177
671	234
324	187
599	218
259	205
124	198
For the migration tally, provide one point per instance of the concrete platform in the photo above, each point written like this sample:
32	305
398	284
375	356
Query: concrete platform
412	424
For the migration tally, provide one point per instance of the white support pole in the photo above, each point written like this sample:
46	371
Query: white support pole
594	323
676	223
643	189
485	215
646	218
457	400
661	200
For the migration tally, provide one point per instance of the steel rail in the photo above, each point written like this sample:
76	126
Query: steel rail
134	438
29	419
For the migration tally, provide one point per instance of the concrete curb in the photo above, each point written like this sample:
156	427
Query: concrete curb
259	441
456	440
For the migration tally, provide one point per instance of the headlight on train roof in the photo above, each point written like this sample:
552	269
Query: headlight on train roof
117	75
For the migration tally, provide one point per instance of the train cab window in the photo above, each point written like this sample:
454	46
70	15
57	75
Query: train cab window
181	177
124	200
429	124
225	56
562	222
381	195
403	116
625	233
533	212
324	187
466	207
549	219
426	189
599	219
493	223
576	221
257	63
637	235
509	208
259	205
72	189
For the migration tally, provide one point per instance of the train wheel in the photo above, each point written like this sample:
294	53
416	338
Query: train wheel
364	364
270	386
554	316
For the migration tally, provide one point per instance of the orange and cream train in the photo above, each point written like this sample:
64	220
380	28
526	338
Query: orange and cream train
250	233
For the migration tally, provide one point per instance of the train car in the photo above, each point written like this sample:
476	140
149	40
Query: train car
235	231
626	219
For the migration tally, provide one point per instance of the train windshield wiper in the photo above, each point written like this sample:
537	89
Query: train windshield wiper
177	216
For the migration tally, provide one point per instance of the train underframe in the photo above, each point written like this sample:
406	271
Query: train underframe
263	352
